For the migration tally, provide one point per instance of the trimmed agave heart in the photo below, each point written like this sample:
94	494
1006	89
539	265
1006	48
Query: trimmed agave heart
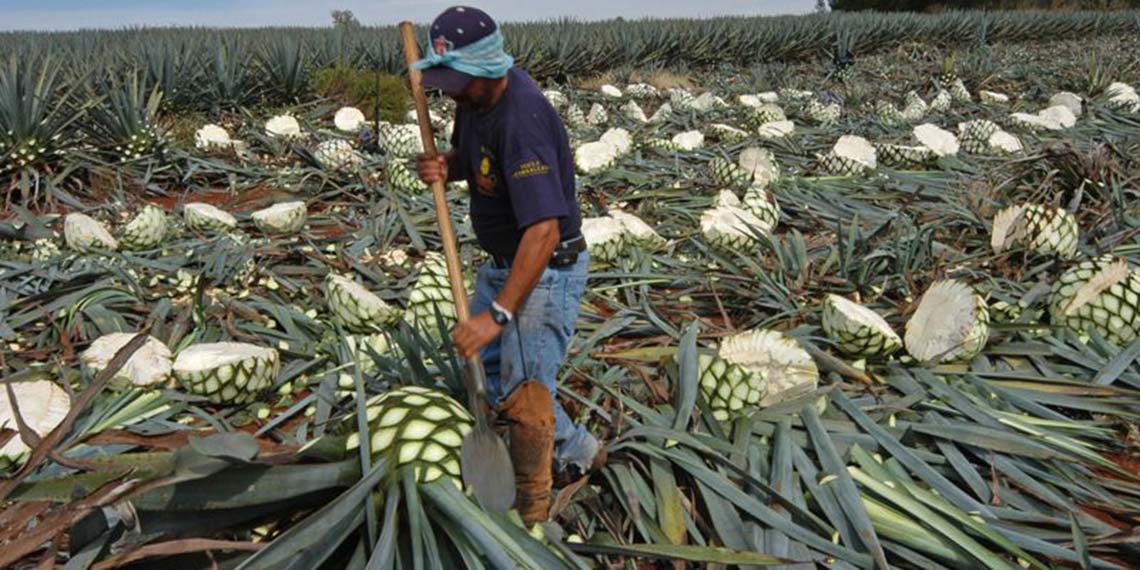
338	155
355	307
401	141
146	230
950	324
84	233
753	369
729	226
1043	229
150	365
1101	295
226	372
203	217
431	292
282	218
43	405
605	237
638	232
857	330
851	155
403	179
419	429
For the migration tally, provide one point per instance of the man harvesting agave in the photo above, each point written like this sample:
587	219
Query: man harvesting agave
511	147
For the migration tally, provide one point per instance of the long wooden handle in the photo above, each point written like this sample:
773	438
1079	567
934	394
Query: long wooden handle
438	188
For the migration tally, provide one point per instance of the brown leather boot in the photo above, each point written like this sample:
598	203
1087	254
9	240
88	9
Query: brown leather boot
530	412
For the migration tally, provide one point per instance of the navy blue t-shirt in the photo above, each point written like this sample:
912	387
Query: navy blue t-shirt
517	161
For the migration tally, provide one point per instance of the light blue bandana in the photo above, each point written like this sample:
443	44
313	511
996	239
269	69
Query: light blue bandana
483	58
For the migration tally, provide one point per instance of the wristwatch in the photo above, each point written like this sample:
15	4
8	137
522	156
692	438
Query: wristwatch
500	315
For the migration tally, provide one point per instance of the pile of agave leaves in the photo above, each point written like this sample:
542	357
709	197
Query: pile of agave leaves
1023	456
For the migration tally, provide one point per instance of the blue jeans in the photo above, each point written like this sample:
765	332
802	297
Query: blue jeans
547	324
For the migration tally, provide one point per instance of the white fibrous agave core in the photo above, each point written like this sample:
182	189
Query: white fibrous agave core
349	119
941	141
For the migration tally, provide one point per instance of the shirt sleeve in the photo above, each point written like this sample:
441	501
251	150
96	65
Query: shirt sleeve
534	184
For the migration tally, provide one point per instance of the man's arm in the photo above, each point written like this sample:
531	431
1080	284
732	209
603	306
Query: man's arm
535	249
534	253
443	166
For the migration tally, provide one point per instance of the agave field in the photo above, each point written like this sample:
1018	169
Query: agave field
865	293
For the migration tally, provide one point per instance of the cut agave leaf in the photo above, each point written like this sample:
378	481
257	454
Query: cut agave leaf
950	324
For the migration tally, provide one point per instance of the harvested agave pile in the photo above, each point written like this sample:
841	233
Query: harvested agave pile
855	315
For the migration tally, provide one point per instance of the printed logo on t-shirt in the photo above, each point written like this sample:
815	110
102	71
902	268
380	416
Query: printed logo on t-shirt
486	179
533	167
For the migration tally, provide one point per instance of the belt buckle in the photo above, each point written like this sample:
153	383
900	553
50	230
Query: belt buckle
563	258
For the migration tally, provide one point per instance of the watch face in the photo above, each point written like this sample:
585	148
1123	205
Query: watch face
499	317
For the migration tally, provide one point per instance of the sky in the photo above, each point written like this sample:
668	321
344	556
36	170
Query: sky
75	14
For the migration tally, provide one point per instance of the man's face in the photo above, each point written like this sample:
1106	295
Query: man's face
479	93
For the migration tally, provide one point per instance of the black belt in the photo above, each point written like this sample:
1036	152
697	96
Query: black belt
565	253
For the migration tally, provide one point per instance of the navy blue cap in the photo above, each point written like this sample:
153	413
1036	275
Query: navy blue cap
456	27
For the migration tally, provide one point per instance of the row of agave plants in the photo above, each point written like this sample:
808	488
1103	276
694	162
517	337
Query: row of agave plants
260	380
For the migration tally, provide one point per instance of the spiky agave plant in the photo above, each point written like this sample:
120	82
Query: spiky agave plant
37	109
124	125
842	58
285	69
